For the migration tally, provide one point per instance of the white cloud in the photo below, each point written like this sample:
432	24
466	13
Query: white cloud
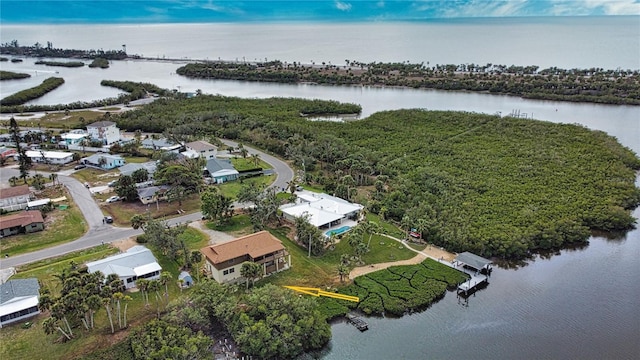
343	6
484	8
595	7
380	4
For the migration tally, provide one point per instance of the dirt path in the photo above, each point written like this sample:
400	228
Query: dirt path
215	237
429	252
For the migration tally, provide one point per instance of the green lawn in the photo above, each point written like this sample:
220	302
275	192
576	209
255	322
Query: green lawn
232	188
136	159
237	224
96	177
248	163
122	212
68	225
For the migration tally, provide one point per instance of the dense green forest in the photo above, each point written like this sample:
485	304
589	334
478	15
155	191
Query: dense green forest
23	96
495	186
582	85
60	63
10	75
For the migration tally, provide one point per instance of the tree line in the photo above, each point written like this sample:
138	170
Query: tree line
70	64
580	85
49	51
10	75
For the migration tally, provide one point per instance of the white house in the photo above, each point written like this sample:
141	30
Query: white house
18	300
15	198
162	144
105	131
200	149
322	209
73	138
49	157
136	263
109	162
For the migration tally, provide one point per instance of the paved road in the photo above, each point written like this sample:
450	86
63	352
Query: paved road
100	233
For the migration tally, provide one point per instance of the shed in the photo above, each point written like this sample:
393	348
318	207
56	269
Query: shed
473	261
187	280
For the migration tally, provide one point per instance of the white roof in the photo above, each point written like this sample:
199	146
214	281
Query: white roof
317	216
48	154
73	136
18	304
38	202
127	264
328	202
224	172
191	154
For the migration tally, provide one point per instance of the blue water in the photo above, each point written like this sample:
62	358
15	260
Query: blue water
337	231
191	11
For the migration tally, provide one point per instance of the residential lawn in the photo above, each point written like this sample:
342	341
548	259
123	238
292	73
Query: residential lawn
112	108
194	238
232	188
313	188
286	197
387	227
60	226
239	224
122	212
96	177
136	159
248	163
65	122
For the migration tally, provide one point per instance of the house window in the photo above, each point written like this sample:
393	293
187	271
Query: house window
229	271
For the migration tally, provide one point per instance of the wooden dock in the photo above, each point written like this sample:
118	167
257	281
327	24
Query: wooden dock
474	280
358	322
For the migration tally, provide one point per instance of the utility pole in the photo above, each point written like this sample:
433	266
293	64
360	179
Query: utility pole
309	245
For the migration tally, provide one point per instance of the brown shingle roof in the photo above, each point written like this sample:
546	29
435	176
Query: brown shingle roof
14	191
200	146
22	219
254	245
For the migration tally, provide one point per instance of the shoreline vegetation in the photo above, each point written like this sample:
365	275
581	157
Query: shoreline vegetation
69	64
35	92
10	75
594	85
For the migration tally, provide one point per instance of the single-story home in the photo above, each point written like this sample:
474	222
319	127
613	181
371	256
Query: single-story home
15	198
38	204
73	138
19	300
49	157
21	223
163	144
152	194
221	170
109	162
201	149
224	261
130	168
323	210
136	263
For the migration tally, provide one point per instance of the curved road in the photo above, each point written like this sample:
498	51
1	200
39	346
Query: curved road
100	233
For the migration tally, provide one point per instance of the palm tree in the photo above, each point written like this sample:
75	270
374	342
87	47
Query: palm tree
93	302
143	285
13	180
165	277
256	159
106	302
117	297
343	271
126	300
372	228
53	177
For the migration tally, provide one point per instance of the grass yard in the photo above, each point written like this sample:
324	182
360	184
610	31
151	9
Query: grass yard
248	163
60	120
122	212
60	226
96	177
136	159
232	188
238	225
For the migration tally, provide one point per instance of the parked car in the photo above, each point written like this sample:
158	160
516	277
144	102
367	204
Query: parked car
108	219
112	183
113	199
87	185
79	166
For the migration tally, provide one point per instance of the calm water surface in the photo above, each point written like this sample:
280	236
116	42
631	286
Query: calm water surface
581	304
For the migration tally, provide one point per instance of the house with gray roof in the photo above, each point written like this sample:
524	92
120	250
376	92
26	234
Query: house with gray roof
19	300
163	144
152	194
109	162
136	263
221	170
201	149
129	169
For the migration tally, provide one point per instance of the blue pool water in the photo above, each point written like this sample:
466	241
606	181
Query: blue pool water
337	231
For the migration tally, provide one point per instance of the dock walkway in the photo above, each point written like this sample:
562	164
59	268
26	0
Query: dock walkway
357	322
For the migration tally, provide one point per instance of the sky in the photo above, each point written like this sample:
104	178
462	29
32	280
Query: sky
176	11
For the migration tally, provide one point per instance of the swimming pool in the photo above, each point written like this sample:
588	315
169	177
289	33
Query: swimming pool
337	231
